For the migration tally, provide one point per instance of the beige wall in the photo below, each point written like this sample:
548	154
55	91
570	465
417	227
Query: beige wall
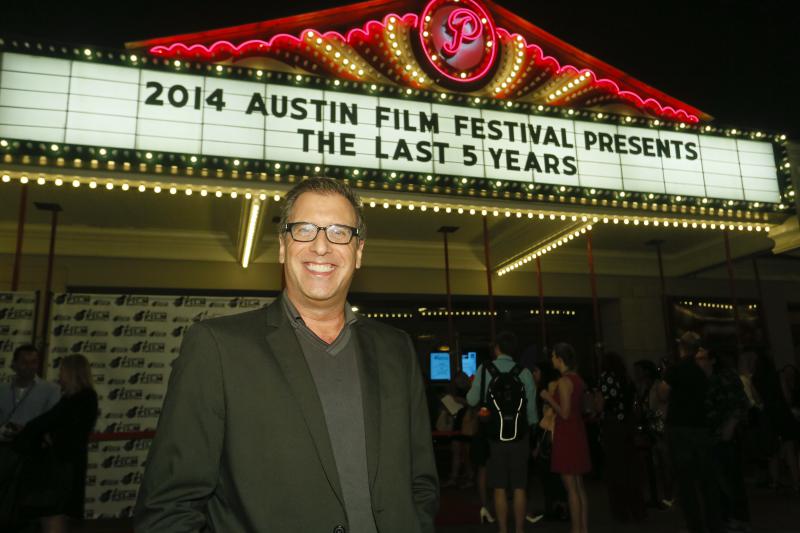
630	310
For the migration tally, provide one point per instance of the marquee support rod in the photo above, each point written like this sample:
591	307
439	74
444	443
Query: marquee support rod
444	230
595	307
23	204
48	296
486	255
761	308
542	325
732	285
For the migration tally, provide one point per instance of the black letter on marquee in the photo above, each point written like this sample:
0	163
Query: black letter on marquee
378	152
299	107
461	124
496	156
381	114
428	123
439	146
691	151
589	138
306	134
348	114
470	157
256	104
346	143
570	165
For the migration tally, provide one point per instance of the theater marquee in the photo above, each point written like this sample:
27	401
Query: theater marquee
56	100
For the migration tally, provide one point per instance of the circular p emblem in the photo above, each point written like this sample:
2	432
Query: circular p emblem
458	39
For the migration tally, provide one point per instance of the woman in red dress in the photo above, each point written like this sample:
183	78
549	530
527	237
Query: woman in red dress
570	456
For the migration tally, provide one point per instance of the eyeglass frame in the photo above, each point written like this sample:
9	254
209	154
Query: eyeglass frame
287	228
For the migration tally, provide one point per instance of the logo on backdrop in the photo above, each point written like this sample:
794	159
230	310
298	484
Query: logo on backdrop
459	40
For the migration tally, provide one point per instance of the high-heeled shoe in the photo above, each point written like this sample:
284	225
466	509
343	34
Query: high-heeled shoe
486	516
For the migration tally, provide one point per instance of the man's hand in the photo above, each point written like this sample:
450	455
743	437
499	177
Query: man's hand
546	396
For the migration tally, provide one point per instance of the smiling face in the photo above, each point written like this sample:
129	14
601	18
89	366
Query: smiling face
318	273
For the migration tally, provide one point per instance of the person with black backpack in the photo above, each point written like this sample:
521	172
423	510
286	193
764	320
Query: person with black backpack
506	395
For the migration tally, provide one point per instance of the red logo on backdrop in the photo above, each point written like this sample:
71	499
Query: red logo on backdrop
458	39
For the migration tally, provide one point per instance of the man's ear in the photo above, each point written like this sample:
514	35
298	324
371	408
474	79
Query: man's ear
281	250
359	252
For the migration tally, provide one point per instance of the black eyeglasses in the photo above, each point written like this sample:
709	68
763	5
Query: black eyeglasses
307	232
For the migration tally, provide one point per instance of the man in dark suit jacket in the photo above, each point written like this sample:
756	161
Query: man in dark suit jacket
299	417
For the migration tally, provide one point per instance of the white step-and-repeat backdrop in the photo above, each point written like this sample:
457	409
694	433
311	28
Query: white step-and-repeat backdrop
130	341
17	319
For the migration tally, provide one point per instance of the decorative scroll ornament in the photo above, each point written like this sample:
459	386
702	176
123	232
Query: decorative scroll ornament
459	40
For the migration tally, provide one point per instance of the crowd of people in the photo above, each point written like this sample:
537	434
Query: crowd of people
682	432
44	438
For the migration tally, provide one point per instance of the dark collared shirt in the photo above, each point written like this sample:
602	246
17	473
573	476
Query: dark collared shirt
334	368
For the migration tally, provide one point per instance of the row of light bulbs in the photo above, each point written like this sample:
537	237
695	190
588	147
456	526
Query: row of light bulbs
157	188
458	313
430	314
234	192
714	305
505	85
397	38
564	312
544	249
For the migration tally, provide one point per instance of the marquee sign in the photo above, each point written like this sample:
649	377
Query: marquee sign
57	100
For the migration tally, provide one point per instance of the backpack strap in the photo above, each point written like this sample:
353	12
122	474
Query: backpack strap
516	371
493	370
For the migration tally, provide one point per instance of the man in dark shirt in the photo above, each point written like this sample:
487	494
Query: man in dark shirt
300	416
689	438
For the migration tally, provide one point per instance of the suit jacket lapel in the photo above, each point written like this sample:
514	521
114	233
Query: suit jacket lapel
370	393
286	350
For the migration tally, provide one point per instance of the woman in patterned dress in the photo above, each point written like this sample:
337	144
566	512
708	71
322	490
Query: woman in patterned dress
622	469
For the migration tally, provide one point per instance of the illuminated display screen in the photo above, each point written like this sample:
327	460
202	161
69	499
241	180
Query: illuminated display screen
469	363
79	102
440	366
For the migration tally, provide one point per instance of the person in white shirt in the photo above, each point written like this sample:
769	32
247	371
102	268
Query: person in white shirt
26	396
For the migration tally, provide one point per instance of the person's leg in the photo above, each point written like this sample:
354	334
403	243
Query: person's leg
469	473
501	509
709	485
615	469
584	513
682	457
54	524
789	453
455	463
664	469
574	502
520	499
740	505
482	490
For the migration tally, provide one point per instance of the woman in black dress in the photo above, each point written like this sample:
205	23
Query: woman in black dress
56	446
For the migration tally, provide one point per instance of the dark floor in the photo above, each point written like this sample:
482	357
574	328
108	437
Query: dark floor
773	512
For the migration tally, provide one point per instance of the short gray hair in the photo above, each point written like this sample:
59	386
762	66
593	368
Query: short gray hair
325	186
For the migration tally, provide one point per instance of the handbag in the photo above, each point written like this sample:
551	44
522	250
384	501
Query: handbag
469	423
544	445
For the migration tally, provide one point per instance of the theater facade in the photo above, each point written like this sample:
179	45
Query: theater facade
509	180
